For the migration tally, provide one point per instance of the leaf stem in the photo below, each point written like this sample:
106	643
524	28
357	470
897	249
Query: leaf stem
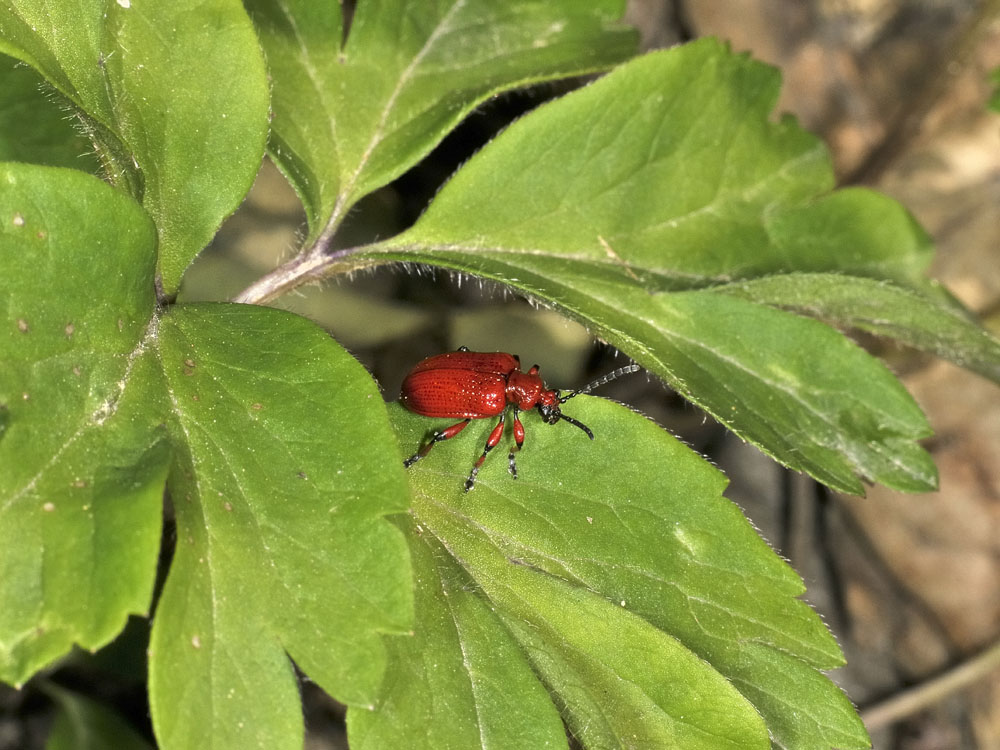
309	265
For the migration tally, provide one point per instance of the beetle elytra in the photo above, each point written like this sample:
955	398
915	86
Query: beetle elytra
469	385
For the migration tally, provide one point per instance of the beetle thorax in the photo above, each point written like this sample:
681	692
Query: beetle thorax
526	390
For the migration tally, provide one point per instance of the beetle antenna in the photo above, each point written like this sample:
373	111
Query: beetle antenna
613	375
581	425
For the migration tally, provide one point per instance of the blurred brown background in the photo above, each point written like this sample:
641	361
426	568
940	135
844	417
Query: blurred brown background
898	89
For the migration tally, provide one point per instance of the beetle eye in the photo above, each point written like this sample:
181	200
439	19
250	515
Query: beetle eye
550	414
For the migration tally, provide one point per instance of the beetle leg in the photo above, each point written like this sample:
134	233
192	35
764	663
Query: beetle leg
437	437
491	443
518	442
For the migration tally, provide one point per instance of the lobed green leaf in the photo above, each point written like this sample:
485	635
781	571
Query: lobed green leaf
649	609
352	114
460	680
669	169
620	201
272	440
82	459
882	309
285	468
175	97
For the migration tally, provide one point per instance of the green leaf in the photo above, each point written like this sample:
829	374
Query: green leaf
995	98
882	309
175	95
650	610
351	115
83	724
810	396
82	461
668	168
668	175
285	468
281	467
36	123
461	677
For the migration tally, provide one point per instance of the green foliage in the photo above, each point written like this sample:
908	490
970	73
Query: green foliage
633	598
614	200
83	457
173	94
83	724
278	487
33	126
408	73
881	309
611	589
281	548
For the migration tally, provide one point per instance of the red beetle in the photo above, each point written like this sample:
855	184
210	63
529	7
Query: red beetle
476	385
